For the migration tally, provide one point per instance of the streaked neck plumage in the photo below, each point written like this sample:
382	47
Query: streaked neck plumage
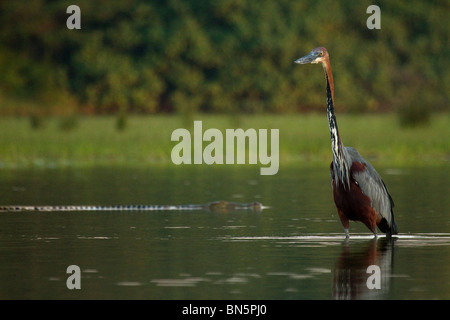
340	164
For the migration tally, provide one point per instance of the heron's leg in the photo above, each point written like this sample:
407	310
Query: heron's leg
345	223
347	234
389	234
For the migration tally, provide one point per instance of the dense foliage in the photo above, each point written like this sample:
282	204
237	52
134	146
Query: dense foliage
221	55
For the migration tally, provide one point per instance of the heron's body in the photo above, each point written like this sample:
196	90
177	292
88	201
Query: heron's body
365	198
359	192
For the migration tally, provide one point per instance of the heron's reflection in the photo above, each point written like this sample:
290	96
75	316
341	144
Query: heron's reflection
350	271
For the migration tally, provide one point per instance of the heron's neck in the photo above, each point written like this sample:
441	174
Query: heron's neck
341	167
335	137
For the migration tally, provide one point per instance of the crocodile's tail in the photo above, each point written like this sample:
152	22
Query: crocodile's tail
220	206
98	208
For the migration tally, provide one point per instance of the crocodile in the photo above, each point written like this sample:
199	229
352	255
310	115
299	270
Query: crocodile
216	206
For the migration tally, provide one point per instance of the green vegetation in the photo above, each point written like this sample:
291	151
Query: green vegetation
149	67
304	140
221	56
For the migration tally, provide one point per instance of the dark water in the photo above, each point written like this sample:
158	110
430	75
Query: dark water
293	250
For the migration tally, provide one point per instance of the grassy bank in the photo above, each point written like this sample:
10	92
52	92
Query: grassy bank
304	139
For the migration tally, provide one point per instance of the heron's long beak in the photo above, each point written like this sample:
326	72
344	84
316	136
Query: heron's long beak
310	58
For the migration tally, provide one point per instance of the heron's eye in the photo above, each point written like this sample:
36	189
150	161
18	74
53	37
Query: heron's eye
321	53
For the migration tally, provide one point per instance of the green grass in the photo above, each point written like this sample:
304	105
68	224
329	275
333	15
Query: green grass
304	139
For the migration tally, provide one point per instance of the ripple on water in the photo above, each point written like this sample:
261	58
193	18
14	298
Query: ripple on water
183	282
129	283
312	240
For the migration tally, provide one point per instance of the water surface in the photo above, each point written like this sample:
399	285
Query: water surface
293	250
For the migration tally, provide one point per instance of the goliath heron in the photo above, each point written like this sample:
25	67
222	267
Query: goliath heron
359	192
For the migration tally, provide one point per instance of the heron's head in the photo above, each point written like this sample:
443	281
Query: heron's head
317	55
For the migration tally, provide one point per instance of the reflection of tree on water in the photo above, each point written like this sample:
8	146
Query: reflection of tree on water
350	271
